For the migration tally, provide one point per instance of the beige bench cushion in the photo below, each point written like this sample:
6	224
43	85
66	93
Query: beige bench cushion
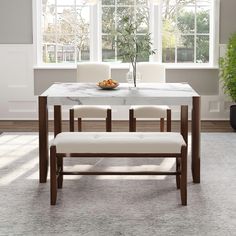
90	111
118	142
146	111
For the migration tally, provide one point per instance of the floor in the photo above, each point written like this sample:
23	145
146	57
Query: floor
32	126
117	205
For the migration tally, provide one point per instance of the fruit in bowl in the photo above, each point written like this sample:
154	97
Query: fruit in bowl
108	84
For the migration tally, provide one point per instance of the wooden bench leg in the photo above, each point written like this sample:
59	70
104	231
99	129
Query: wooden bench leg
108	121
53	175
60	168
71	118
177	170
168	120
162	124
183	179
132	121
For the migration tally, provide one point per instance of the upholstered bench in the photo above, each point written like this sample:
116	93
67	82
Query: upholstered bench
119	144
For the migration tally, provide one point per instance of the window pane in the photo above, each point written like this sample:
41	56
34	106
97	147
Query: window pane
82	33
65	53
185	2
48	2
168	41
65	48
142	2
65	39
203	20
49	49
143	55
186	20
66	30
168	55
48	20
168	47
108	2
121	12
203	2
169	2
112	24
66	20
169	28
185	49
185	31
49	38
143	16
83	53
65	2
202	49
108	19
125	2
108	48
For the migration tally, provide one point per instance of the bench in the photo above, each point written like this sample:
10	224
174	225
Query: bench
123	145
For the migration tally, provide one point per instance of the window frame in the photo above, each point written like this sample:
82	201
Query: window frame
155	29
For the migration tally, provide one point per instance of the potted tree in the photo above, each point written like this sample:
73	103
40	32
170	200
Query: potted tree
228	75
132	47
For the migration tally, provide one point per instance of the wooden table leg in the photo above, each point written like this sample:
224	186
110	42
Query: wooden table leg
57	120
196	133
43	138
57	130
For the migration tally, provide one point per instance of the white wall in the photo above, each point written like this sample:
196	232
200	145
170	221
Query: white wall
16	83
17	89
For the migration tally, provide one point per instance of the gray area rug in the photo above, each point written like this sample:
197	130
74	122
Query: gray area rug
120	205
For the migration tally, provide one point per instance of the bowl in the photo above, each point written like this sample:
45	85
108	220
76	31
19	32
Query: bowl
108	84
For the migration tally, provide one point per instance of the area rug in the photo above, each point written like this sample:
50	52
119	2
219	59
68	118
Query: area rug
117	205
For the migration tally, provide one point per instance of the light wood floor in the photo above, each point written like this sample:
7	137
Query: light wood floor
32	126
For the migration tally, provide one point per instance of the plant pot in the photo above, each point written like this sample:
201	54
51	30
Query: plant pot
233	116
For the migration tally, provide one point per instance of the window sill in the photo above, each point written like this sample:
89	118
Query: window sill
54	66
190	66
122	66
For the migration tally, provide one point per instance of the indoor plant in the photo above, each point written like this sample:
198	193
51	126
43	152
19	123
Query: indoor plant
228	75
132	47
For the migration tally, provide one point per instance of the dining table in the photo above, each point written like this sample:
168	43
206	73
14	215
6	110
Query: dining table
63	94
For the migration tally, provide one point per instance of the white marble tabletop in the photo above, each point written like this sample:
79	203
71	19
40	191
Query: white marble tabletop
145	94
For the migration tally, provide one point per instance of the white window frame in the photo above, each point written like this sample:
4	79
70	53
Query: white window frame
156	29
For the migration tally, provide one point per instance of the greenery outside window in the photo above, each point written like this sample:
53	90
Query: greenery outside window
76	30
112	13
186	31
65	31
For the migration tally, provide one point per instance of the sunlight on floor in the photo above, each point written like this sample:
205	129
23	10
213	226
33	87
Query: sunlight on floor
19	157
165	165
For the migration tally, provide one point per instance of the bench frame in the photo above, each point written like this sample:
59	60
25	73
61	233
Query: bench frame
56	164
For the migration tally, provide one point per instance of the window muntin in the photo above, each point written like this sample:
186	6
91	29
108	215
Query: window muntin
65	31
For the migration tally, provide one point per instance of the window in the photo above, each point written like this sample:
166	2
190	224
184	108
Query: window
65	31
112	12
186	31
74	30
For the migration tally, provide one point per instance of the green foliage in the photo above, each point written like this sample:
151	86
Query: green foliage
178	29
228	68
131	46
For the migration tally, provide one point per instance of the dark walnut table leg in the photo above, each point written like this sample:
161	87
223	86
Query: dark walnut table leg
57	120
196	133
43	138
57	130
